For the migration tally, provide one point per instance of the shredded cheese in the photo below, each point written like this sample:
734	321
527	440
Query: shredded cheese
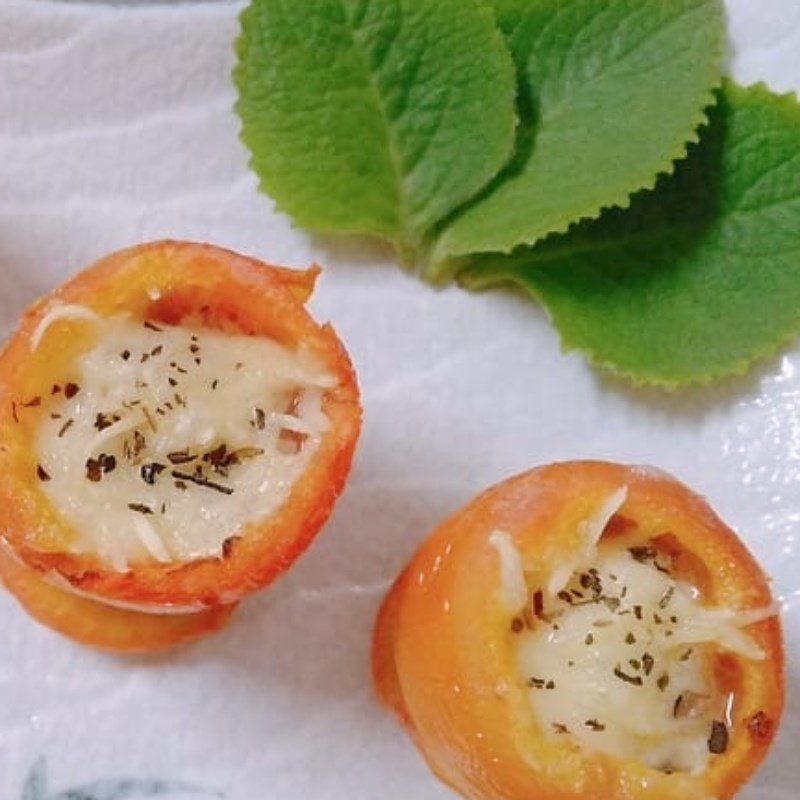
60	582
620	660
160	609
512	578
58	312
590	531
169	440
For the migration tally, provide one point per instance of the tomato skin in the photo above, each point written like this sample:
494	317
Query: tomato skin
443	665
167	281
103	626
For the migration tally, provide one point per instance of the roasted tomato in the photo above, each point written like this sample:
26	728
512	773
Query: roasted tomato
584	631
174	430
98	624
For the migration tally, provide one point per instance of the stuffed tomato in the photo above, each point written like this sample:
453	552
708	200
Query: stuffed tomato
174	430
584	631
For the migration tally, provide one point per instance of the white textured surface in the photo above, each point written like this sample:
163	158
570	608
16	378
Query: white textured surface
116	127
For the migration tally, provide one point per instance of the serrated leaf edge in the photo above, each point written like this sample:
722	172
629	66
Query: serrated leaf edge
408	245
441	269
789	102
641	380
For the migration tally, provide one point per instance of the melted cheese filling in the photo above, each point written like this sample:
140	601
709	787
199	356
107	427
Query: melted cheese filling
168	440
621	657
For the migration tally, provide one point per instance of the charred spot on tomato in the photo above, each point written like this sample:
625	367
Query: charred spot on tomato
760	727
620	525
85	579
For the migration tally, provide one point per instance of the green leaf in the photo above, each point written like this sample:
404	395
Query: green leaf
701	276
611	92
374	117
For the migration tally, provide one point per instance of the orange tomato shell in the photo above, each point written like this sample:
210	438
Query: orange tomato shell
443	660
99	625
168	281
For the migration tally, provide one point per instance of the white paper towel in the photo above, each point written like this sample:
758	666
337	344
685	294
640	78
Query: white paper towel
116	127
